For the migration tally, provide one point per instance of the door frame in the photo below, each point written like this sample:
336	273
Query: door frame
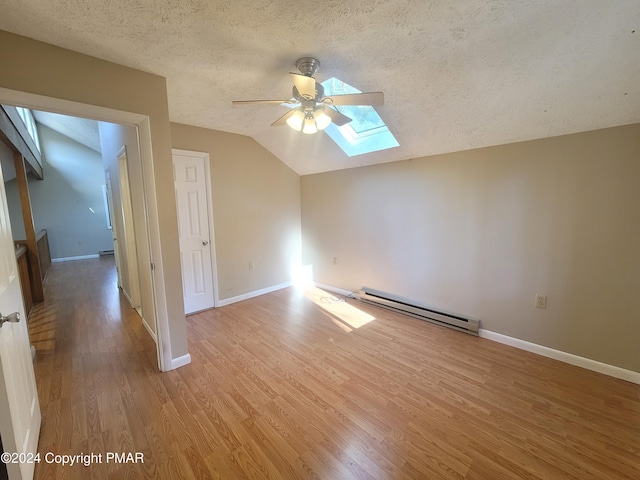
207	177
143	124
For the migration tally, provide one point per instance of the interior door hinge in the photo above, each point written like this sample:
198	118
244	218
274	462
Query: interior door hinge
153	266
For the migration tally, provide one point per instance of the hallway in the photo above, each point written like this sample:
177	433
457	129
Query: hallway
94	363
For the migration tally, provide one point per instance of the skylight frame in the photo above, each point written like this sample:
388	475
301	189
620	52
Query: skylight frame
347	137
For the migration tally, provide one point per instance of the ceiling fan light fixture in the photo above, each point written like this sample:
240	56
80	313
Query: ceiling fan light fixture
322	119
309	124
311	109
296	120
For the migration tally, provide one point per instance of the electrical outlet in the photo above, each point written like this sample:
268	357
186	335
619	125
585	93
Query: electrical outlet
335	260
251	266
541	301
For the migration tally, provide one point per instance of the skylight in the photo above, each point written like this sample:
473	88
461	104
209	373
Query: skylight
366	132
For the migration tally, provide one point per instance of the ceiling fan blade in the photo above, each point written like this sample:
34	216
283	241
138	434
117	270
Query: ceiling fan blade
306	85
283	119
253	102
367	98
336	117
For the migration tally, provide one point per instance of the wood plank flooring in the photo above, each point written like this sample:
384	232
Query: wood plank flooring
281	387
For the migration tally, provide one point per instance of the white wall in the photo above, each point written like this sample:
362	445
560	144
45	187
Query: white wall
61	202
482	232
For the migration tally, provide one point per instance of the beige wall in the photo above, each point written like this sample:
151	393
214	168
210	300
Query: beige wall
256	210
482	232
39	68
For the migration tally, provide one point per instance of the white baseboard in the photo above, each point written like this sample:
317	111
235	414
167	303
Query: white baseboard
80	257
126	295
151	332
180	361
257	293
340	291
617	372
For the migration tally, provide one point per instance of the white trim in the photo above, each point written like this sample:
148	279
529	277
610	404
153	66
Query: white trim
126	295
107	209
180	361
68	107
212	233
617	372
593	365
256	293
212	240
340	291
151	332
160	312
79	257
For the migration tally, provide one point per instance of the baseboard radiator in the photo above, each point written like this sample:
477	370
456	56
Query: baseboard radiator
409	307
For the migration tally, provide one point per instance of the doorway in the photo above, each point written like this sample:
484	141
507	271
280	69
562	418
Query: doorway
146	185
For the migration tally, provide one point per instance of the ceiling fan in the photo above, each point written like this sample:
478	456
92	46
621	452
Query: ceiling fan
313	111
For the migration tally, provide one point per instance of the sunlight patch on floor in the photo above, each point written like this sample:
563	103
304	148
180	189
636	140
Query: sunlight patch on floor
343	314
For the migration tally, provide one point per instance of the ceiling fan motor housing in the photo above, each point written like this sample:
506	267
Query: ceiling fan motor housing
319	93
308	66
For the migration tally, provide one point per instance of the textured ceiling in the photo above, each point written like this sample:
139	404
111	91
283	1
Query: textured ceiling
457	74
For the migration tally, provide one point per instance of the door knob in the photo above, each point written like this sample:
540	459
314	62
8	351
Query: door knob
12	318
205	243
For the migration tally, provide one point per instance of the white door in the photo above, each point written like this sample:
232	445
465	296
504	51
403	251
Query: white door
194	230
19	407
133	292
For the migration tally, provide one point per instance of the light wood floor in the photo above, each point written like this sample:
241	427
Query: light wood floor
279	387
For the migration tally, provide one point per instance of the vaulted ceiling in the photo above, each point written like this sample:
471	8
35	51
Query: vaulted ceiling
82	130
457	74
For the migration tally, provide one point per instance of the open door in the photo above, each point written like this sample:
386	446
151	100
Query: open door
128	232
19	407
